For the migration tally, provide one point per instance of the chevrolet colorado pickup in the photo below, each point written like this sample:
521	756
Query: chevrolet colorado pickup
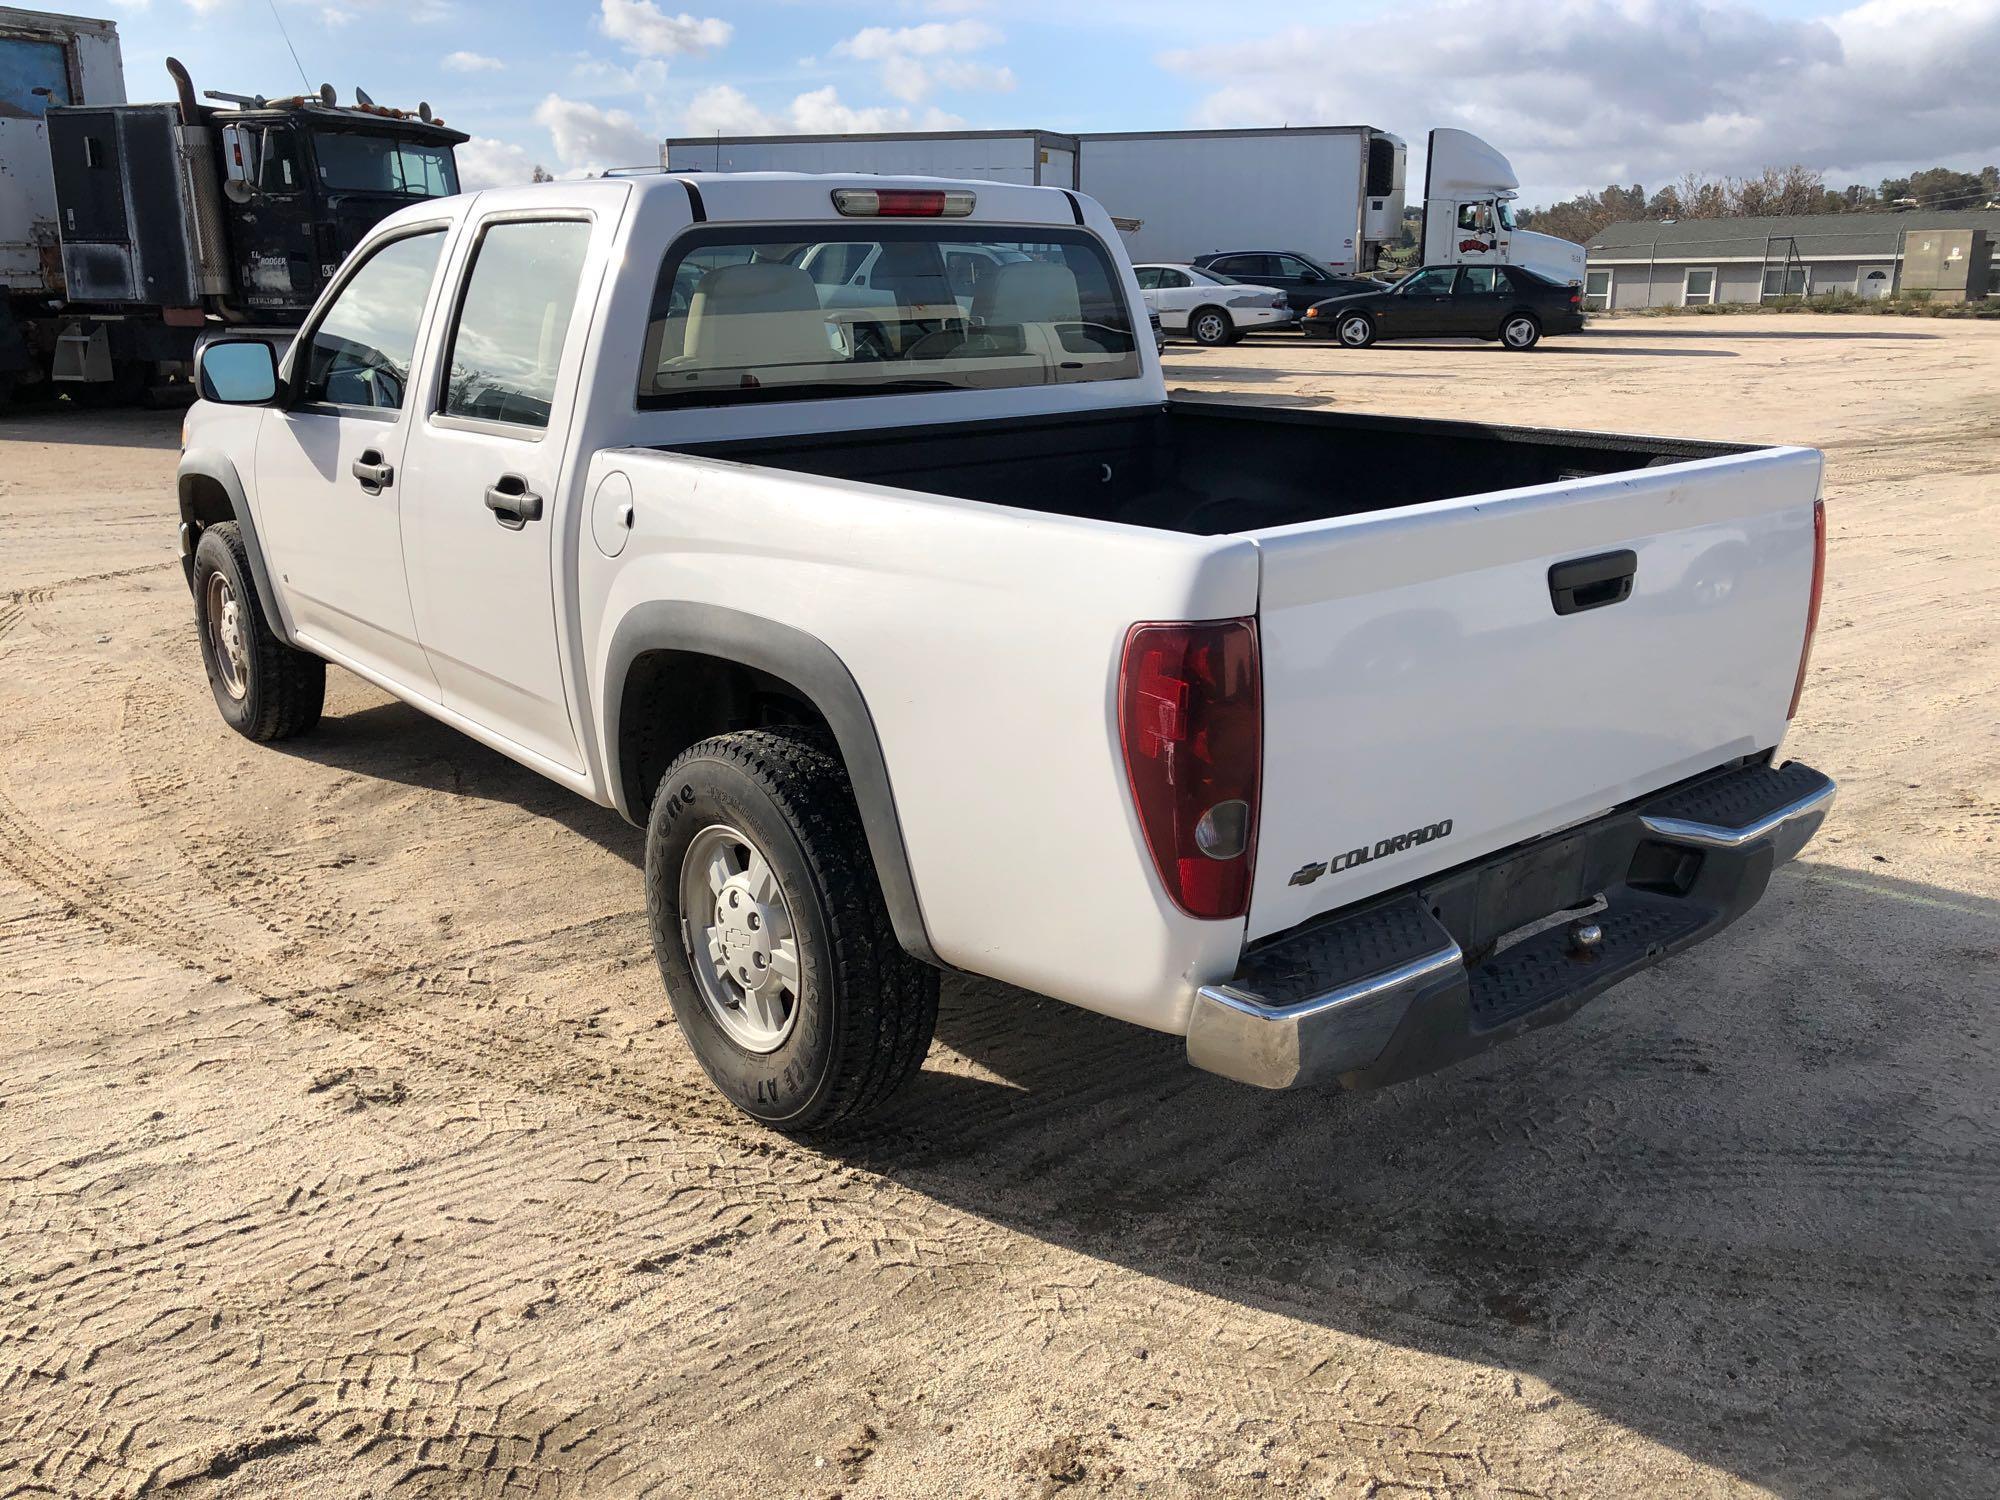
841	532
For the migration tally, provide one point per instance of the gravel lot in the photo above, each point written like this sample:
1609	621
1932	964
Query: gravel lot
347	1146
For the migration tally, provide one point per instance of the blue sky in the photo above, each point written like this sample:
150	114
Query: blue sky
1576	92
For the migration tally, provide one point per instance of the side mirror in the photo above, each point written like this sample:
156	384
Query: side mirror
237	372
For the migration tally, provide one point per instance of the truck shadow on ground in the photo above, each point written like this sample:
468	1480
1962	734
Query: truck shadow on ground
1746	1206
1717	327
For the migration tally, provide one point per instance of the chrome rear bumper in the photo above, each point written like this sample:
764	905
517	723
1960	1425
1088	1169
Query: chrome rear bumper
1388	992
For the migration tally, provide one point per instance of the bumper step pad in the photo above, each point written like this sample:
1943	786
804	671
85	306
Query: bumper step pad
1385	993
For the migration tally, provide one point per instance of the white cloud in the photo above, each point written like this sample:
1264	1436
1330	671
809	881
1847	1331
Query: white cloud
913	60
723	110
1580	92
600	77
471	62
589	139
641	26
484	163
933	38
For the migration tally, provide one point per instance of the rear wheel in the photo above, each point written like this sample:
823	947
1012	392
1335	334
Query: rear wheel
1520	332
1356	330
770	930
1212	326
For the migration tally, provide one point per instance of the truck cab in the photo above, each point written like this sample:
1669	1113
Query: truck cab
1469	193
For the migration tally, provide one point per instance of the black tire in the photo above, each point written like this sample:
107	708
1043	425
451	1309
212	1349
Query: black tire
1212	327
864	1010
1520	332
1354	330
282	690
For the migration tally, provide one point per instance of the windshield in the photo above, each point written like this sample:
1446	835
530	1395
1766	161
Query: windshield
380	164
821	310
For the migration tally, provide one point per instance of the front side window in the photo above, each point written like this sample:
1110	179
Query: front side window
1432	282
738	315
380	164
278	160
514	320
360	353
1475	217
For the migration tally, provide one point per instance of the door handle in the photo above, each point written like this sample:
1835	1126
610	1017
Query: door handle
512	504
1592	582
375	475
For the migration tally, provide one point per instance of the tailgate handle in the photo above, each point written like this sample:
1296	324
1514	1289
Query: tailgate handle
1592	582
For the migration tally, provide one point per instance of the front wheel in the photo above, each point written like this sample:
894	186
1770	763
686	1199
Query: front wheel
1520	332
1212	326
264	689
770	930
1356	330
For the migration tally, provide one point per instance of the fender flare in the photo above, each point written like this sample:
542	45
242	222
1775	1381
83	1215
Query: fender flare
213	464
811	666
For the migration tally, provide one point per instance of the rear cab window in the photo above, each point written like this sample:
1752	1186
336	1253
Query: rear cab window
810	311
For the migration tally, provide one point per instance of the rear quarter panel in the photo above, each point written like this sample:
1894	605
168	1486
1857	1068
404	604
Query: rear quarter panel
986	643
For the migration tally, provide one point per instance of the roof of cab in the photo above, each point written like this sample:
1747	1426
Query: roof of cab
735	196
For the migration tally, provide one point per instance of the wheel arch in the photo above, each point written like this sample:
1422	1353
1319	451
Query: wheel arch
211	490
678	672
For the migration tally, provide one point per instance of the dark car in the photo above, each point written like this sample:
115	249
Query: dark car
1302	279
1480	302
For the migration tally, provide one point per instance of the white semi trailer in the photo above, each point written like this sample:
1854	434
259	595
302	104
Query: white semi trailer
1333	192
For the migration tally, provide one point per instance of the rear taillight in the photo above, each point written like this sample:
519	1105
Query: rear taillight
1575	299
1191	723
1812	607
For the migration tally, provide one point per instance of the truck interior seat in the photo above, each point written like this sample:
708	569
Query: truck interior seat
759	313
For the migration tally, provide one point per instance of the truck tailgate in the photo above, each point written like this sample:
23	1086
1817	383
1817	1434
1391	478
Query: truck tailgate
1425	703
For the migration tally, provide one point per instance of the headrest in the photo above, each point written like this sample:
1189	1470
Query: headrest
1028	291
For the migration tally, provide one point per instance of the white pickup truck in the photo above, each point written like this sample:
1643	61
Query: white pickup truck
841	532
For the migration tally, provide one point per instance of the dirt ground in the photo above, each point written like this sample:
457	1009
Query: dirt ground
347	1146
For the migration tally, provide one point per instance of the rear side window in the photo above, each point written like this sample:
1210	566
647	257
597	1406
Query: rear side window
748	314
514	320
1477	280
360	353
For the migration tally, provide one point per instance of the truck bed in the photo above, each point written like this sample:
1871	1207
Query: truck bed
1207	468
1470	635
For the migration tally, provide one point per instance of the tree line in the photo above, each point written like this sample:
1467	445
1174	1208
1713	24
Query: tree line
1775	190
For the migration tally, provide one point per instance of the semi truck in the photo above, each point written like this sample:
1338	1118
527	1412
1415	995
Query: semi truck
1333	192
127	230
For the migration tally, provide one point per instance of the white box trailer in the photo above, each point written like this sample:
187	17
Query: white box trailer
1334	192
45	60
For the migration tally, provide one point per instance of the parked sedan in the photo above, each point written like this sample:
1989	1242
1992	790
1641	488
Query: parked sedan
1213	309
1482	302
1302	279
